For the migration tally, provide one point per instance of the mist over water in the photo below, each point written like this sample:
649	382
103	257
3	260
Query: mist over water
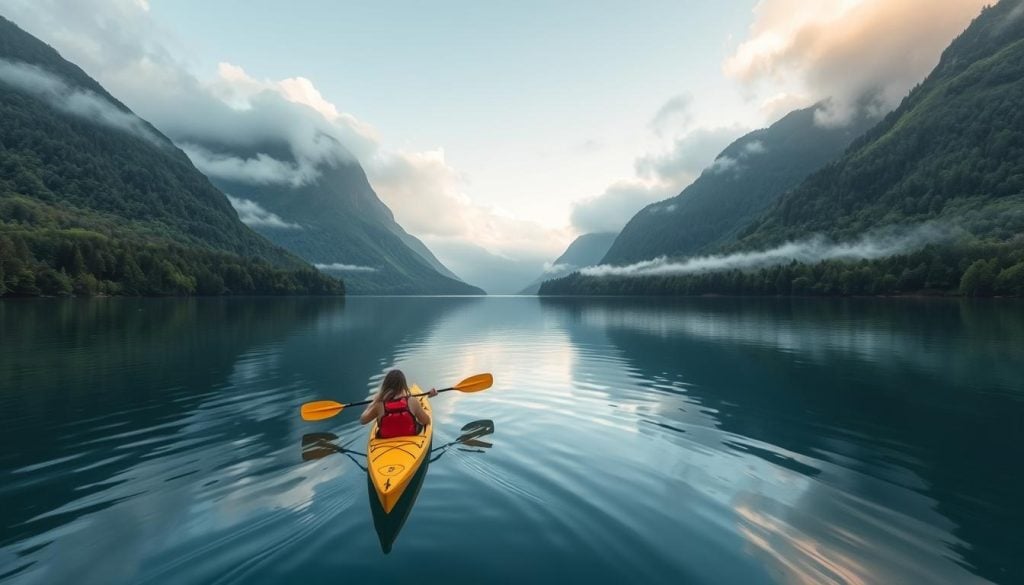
810	251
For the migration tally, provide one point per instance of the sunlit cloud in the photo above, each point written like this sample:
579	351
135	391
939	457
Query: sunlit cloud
844	51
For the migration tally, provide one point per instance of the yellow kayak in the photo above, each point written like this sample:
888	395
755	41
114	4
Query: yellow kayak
392	463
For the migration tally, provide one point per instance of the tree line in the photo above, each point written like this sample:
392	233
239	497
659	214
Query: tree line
82	263
973	269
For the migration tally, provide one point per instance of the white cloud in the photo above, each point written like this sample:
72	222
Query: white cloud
236	126
339	267
252	214
76	101
845	50
810	251
673	113
429	199
611	210
550	268
722	164
658	176
260	169
688	156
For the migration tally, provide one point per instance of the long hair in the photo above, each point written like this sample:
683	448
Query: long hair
393	386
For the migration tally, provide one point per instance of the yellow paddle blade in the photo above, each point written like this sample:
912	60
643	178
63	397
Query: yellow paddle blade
321	409
475	383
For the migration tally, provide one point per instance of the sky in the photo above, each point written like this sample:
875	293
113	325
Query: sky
498	131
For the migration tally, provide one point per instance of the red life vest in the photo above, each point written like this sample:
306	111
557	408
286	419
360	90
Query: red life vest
398	420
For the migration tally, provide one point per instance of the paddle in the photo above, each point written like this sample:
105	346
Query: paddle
471	432
324	409
319	445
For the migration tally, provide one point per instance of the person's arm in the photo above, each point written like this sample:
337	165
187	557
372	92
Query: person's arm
372	412
417	411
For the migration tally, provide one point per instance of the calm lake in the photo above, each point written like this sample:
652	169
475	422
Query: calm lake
635	440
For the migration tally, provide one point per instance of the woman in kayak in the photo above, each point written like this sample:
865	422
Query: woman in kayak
395	413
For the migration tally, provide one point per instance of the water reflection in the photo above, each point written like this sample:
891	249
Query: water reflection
151	419
704	441
905	416
388	525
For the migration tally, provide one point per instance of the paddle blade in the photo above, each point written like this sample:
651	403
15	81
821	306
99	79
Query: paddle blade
318	445
477	443
476	429
475	383
321	409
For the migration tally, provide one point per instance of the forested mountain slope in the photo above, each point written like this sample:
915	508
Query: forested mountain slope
95	200
951	157
747	177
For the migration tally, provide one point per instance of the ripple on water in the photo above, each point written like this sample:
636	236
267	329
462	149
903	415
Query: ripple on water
702	442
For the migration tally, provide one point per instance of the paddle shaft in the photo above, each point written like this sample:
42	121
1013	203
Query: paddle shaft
351	404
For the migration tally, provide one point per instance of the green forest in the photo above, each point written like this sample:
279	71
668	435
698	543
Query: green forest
93	209
970	268
42	255
951	154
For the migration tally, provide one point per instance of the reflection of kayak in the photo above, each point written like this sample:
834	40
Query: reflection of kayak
392	463
388	525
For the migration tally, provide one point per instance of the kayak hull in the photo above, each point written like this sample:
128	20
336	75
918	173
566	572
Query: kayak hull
392	463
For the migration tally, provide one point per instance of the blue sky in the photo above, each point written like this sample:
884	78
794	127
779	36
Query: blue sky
538	103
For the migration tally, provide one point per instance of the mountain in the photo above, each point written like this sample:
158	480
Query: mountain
953	151
747	177
95	200
586	250
337	222
495	273
950	157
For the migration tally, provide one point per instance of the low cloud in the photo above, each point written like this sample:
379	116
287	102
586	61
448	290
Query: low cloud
688	155
733	164
658	176
236	126
79	102
550	268
261	169
339	267
723	164
252	214
673	113
846	50
810	251
609	211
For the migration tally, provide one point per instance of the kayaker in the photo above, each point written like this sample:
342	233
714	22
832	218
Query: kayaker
395	413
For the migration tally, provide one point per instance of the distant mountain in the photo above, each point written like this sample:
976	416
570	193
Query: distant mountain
338	223
951	156
747	177
95	200
952	151
586	250
496	274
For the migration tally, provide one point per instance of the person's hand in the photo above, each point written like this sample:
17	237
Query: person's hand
432	393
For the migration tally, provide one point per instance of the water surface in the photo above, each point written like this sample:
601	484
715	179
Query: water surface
668	441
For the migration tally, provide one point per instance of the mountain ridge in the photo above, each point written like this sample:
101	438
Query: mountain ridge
745	178
95	200
950	155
